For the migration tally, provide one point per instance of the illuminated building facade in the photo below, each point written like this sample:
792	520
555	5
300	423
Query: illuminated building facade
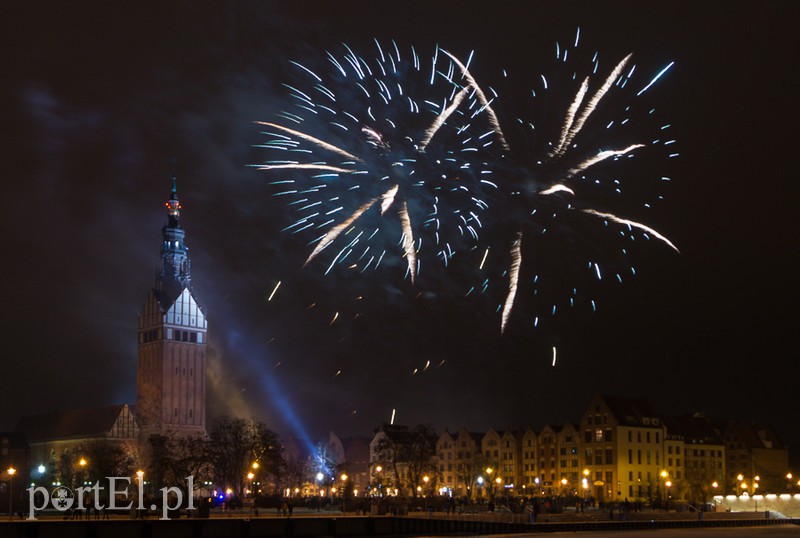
569	455
445	456
171	379
528	478
756	459
695	457
623	443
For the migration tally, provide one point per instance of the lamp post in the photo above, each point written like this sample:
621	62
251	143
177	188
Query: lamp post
585	484
82	464
344	492
378	480
11	471
425	479
42	469
664	475
250	477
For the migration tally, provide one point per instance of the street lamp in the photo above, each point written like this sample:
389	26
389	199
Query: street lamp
42	469
82	464
489	472
585	484
140	479
250	477
664	475
344	492
425	479
11	471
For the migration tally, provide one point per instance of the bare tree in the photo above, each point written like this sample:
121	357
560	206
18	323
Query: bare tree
408	455
390	451
173	458
324	462
235	444
469	466
420	453
295	471
231	451
267	452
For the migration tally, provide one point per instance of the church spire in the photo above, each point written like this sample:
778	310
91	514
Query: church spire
174	273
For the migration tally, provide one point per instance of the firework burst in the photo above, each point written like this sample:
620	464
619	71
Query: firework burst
560	178
387	146
392	159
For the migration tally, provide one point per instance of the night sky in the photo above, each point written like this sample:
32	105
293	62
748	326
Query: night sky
98	97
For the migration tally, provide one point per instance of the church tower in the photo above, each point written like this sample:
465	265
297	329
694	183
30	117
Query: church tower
171	379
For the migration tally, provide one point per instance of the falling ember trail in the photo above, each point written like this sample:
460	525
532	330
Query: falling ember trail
331	236
309	138
441	118
633	224
271	295
485	102
513	280
408	242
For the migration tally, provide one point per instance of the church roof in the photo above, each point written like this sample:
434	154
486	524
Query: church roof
73	424
169	293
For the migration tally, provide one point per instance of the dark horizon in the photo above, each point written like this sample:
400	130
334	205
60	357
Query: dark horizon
100	98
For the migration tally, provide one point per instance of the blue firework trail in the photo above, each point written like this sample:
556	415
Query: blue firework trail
394	145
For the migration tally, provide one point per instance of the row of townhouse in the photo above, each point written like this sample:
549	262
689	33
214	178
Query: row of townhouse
620	449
